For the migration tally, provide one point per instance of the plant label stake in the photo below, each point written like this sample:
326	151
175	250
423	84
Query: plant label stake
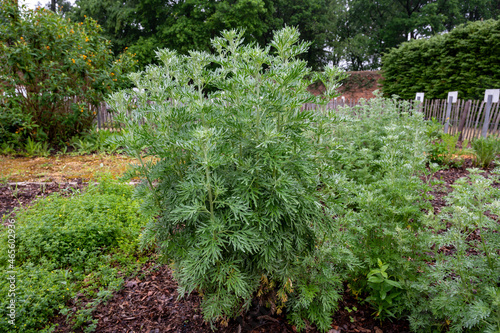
490	97
452	98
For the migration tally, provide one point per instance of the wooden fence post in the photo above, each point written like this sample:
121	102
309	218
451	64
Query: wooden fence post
463	118
486	123
99	111
452	98
489	96
419	97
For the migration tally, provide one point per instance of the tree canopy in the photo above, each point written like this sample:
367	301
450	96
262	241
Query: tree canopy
351	33
146	25
367	29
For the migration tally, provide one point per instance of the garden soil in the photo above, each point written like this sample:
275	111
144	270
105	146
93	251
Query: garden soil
149	302
61	169
361	84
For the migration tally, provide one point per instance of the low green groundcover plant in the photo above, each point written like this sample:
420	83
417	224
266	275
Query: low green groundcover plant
67	245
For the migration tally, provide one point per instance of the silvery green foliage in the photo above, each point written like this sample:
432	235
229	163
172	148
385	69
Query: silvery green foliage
235	180
460	285
381	147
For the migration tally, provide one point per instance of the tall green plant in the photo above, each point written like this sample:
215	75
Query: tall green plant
237	177
485	151
382	148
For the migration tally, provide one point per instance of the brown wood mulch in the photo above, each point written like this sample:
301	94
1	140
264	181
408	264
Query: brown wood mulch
149	302
22	194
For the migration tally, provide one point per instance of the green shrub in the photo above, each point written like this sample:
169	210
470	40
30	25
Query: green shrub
462	60
458	285
65	68
238	171
382	150
14	123
485	151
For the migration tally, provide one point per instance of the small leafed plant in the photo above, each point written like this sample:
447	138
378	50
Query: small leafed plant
236	184
81	244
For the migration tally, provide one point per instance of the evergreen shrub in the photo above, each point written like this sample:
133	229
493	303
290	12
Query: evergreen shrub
241	176
464	60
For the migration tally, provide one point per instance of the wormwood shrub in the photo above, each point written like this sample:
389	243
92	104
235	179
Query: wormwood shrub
237	186
459	285
382	150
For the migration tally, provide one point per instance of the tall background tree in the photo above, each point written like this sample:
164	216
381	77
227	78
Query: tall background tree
367	29
146	25
351	33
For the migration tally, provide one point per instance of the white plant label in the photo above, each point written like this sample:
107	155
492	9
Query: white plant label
453	95
493	92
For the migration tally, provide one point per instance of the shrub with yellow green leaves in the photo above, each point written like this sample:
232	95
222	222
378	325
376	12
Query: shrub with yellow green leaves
53	74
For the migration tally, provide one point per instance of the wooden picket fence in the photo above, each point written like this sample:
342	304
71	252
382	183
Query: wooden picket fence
466	116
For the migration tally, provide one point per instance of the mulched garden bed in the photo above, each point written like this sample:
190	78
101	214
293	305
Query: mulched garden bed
149	302
22	194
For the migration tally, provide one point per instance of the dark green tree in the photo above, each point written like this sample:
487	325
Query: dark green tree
367	29
146	25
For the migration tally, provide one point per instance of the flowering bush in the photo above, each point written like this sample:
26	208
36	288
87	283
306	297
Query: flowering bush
53	74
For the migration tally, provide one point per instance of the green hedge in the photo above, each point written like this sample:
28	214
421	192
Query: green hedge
465	60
